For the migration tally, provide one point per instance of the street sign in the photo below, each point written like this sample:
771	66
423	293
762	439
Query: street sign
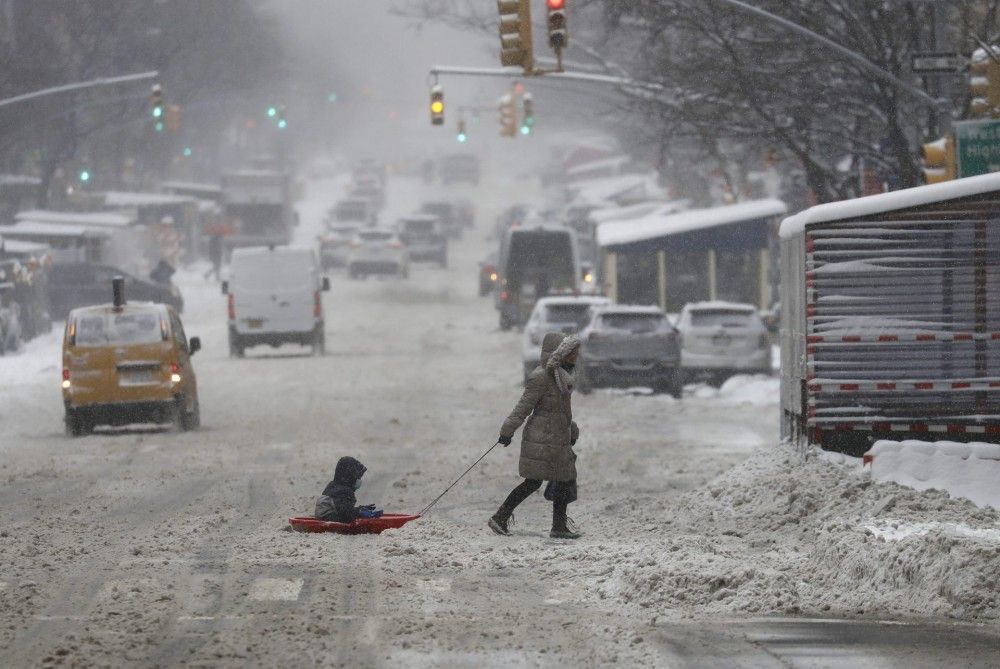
938	63
977	147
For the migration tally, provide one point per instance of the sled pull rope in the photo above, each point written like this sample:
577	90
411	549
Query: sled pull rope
436	499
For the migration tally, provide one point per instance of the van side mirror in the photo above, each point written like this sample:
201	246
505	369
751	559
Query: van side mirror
326	284
225	287
194	345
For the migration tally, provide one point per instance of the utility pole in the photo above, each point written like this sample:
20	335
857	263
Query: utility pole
942	44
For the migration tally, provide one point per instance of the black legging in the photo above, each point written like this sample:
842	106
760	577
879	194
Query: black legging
525	490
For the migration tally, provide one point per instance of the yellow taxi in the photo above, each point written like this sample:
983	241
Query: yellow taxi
127	363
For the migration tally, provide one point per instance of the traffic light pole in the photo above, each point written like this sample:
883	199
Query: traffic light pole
562	76
93	83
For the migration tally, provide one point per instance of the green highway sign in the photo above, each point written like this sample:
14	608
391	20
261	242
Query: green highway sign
977	147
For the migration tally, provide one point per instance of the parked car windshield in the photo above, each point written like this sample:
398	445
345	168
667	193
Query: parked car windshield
567	313
634	323
727	318
123	328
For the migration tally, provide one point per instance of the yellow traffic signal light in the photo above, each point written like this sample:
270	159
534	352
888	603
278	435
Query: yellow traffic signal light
984	84
508	116
173	116
515	34
939	160
437	105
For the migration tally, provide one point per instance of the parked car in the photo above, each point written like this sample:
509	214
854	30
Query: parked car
720	339
358	211
10	320
459	167
554	314
626	346
448	215
335	245
274	297
488	275
126	363
378	252
73	285
424	238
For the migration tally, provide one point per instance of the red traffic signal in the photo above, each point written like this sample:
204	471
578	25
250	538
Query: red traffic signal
558	37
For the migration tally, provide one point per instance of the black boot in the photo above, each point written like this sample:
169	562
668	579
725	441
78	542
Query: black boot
498	522
560	526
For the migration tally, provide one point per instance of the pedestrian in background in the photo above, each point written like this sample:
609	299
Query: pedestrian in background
548	437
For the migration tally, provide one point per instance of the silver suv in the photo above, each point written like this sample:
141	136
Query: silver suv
721	339
626	346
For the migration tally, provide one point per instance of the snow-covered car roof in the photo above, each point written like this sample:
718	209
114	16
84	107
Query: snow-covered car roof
652	226
42	229
628	309
719	305
419	218
885	202
574	299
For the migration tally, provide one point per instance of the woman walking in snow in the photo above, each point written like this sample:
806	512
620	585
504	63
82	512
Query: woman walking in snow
548	437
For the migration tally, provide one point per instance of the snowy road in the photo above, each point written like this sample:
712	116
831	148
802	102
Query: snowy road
161	549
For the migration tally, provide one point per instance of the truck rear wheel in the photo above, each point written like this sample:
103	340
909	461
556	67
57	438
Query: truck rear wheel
189	420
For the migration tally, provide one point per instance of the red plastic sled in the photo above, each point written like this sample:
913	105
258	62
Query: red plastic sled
387	521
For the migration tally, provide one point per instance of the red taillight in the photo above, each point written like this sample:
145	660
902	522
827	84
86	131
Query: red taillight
65	374
504	296
232	307
175	368
317	305
395	245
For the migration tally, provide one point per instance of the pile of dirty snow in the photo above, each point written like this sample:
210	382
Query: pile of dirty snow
781	535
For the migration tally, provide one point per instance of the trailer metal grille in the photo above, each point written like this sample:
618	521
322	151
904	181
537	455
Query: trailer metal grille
903	321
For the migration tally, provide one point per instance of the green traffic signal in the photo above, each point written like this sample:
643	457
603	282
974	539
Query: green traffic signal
282	124
158	126
332	97
84	176
272	112
462	138
157	112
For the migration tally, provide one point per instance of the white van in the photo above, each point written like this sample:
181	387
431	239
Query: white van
274	298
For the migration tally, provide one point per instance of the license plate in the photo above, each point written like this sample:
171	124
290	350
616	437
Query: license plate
255	323
136	377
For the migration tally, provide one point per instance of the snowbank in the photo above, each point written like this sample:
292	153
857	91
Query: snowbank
962	470
758	390
779	535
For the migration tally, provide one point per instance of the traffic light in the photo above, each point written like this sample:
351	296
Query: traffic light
984	85
272	111
515	34
461	136
282	121
527	114
939	160
437	105
173	116
508	116
558	38
84	176
156	107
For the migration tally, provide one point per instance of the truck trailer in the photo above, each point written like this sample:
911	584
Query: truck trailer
890	317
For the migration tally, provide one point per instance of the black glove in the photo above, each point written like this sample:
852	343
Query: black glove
573	442
505	440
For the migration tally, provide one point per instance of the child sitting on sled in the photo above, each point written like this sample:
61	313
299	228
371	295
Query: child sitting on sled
337	503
